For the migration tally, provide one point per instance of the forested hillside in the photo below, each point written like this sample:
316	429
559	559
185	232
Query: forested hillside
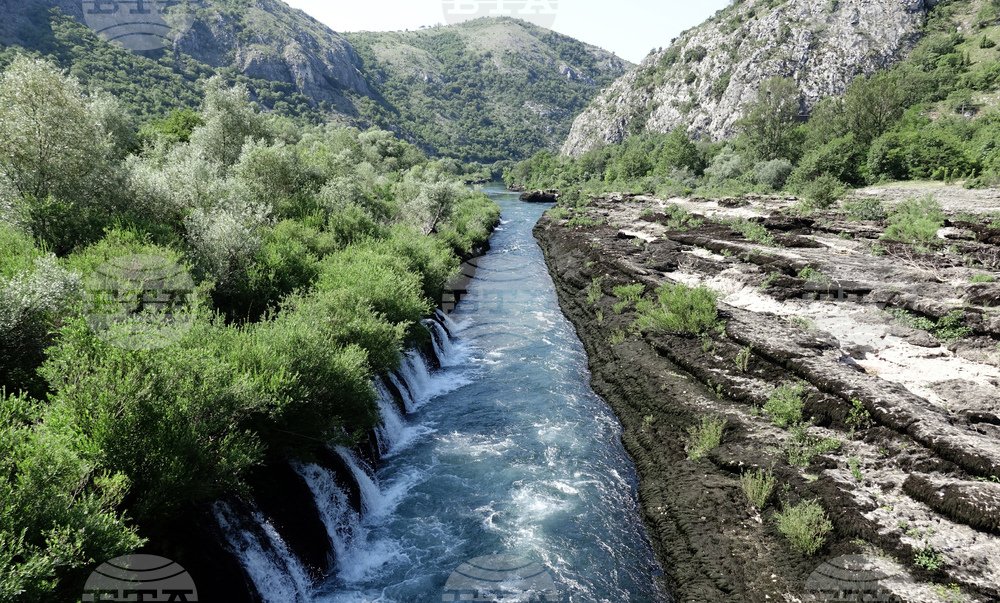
290	265
489	89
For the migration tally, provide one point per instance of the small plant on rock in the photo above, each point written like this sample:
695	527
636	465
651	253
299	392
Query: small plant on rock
705	437
915	222
594	291
627	295
743	358
929	559
805	525
859	417
785	405
678	309
854	464
758	486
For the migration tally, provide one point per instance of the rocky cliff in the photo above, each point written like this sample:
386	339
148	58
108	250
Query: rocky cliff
707	76
262	39
269	40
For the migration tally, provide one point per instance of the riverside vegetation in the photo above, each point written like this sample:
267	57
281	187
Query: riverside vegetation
314	252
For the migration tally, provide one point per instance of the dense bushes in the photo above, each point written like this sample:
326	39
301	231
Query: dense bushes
59	511
303	259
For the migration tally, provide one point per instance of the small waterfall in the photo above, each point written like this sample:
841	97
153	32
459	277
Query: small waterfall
391	432
358	554
452	326
404	391
276	573
417	378
372	500
343	524
444	348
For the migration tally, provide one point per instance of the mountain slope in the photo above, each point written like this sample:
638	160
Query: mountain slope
487	89
705	79
263	40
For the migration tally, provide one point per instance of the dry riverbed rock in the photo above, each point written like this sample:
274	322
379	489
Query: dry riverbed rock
899	438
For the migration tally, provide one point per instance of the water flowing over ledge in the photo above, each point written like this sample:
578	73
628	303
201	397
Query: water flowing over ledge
491	443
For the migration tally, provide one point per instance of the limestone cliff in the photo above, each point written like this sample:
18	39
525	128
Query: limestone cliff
707	76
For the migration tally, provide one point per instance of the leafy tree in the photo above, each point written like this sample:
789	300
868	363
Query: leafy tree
58	508
768	129
230	122
177	126
53	153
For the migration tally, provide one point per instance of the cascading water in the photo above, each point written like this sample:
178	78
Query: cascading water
516	455
447	351
276	573
392	431
523	457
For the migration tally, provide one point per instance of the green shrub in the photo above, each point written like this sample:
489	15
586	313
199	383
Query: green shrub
772	174
758	486
784	406
804	447
921	152
173	420
839	159
754	232
929	559
823	191
861	210
59	511
859	417
678	308
36	294
915	221
377	278
983	278
627	295
705	437
805	525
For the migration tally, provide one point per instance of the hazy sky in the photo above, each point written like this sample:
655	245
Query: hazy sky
630	28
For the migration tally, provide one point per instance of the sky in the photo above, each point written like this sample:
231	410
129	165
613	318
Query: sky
630	28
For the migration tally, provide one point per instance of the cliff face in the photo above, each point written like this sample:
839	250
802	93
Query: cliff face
263	39
706	78
269	40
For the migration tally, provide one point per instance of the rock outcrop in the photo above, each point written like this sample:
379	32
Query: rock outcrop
705	79
268	40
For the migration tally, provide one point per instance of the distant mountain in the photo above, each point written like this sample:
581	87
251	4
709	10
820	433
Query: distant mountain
487	89
282	50
706	77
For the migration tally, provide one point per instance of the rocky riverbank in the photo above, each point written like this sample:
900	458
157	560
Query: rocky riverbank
893	351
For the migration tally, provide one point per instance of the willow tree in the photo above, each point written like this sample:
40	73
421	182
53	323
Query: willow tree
54	152
769	128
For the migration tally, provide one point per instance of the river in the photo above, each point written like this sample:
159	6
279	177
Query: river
508	452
